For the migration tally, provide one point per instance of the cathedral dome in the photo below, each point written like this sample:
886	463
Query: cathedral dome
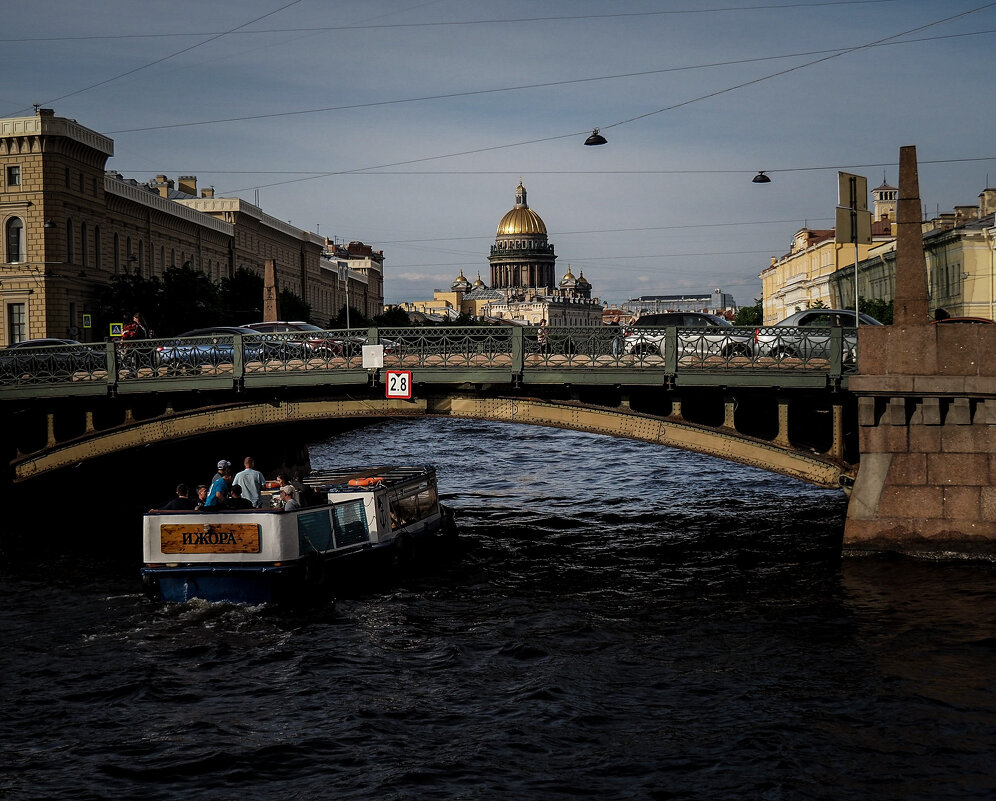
582	281
478	283
521	219
568	281
461	284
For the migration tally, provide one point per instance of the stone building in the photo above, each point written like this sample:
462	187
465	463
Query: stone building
960	253
69	226
802	276
524	289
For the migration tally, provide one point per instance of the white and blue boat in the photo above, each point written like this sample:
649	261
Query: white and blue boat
268	555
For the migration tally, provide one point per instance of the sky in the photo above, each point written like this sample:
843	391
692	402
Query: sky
408	124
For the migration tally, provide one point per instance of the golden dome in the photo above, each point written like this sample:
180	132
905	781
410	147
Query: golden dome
521	219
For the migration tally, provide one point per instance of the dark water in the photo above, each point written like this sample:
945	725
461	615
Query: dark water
625	622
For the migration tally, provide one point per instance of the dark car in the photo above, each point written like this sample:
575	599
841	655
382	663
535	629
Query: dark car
806	334
645	335
211	347
50	357
310	340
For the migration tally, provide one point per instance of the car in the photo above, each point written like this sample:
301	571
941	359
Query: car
51	356
645	335
946	320
314	341
807	334
213	346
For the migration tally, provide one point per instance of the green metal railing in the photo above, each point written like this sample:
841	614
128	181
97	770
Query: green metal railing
776	355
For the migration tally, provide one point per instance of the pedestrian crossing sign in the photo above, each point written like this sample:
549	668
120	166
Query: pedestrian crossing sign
117	329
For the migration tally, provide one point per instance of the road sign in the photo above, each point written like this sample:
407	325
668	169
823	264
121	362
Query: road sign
87	321
117	329
398	384
852	191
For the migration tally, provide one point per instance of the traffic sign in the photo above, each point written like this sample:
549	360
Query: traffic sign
398	384
117	329
87	321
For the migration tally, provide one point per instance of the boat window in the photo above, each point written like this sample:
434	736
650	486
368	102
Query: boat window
349	521
413	507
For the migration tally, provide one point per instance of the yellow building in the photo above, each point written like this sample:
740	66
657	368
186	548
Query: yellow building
802	277
69	227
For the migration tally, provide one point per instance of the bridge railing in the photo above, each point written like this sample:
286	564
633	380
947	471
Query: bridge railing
449	353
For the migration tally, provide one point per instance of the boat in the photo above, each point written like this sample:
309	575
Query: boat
253	556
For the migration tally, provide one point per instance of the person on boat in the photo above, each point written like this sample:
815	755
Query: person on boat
222	464
202	493
217	496
287	496
235	499
283	480
251	482
182	499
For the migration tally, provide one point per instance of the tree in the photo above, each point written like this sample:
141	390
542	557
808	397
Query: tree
750	315
242	297
291	306
881	310
357	319
189	299
392	317
127	294
818	304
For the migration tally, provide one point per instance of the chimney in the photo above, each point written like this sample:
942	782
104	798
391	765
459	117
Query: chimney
46	112
162	185
188	184
209	192
987	202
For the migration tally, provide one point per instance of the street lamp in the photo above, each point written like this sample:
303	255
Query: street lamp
596	138
760	178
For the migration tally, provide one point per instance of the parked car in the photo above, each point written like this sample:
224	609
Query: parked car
51	356
645	335
213	346
806	334
313	342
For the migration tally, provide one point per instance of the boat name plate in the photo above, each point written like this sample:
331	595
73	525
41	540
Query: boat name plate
209	538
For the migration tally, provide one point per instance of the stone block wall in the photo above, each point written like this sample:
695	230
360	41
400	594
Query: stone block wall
927	418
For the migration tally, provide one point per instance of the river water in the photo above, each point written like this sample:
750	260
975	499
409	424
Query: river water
622	622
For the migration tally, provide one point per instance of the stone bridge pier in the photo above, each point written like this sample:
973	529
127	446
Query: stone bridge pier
927	417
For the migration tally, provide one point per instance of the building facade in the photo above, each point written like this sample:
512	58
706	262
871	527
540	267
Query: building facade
802	277
524	289
960	254
69	226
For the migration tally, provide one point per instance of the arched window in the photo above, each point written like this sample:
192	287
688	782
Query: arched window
117	254
70	242
15	240
172	257
162	258
141	257
83	244
96	246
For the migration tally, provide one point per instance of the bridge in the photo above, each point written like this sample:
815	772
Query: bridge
773	398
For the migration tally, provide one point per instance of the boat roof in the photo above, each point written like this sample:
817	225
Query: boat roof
389	475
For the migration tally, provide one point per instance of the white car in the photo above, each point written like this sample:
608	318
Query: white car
806	334
699	335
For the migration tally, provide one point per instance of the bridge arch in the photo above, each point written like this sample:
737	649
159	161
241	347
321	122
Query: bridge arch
724	441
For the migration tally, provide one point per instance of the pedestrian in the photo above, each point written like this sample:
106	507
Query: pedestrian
182	500
543	337
251	481
202	493
284	482
614	324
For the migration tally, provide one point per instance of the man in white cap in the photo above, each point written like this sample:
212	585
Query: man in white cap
287	495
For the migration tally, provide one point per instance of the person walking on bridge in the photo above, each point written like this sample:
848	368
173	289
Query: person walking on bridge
251	481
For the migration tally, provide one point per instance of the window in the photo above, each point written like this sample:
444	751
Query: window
117	254
14	175
70	244
83	244
15	240
96	246
17	323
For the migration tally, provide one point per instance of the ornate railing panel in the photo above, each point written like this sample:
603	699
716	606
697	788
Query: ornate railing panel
457	353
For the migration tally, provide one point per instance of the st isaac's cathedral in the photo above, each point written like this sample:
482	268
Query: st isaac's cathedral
523	279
